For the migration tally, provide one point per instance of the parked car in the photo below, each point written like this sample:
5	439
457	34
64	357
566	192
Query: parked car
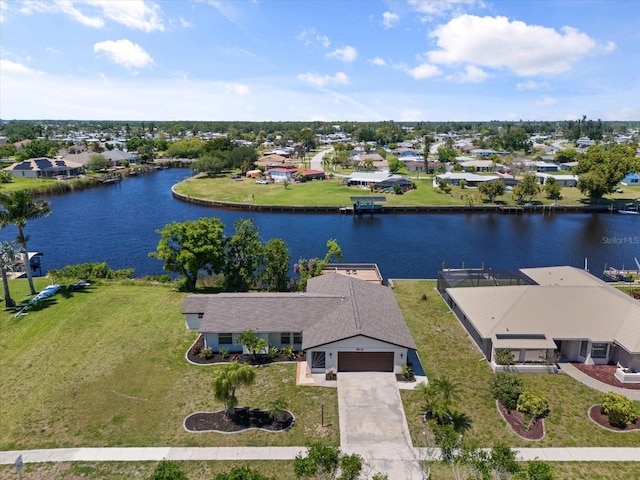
262	181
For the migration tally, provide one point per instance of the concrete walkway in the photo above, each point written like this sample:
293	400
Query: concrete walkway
573	372
147	454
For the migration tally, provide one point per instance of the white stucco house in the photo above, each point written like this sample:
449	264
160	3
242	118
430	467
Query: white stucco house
562	180
539	313
340	322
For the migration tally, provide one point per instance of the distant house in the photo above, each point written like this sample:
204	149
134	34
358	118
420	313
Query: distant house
267	160
584	142
546	167
45	168
631	180
471	179
341	322
309	175
280	174
537	313
418	165
562	180
481	166
379	180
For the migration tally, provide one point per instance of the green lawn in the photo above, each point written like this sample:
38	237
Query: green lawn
446	349
334	193
106	367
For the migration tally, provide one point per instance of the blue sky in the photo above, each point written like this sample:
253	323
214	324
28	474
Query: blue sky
404	60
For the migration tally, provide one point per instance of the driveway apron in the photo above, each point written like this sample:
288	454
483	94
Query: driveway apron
373	424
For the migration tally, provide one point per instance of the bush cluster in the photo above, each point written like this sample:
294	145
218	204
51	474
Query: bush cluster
620	410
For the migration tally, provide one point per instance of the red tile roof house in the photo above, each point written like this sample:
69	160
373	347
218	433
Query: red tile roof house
342	323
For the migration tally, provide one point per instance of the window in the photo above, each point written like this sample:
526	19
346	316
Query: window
201	316
599	350
285	338
297	337
317	360
583	348
225	338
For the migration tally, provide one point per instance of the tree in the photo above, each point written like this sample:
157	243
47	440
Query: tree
603	166
516	139
395	164
492	189
191	246
97	162
526	189
252	342
212	165
532	406
18	208
552	189
37	148
227	380
506	388
243	256
427	142
166	470
539	470
446	153
7	259
567	155
314	266
275	273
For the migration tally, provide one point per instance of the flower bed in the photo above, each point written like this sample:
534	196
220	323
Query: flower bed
596	416
242	420
516	423
193	355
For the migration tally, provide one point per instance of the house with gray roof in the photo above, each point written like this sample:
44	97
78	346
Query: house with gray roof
340	322
45	168
541	313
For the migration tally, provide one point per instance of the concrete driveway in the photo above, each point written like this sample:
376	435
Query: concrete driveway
373	424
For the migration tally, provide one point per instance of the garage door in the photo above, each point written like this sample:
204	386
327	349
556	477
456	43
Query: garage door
365	361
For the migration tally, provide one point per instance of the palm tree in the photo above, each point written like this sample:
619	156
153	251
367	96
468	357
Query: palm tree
228	379
7	258
18	208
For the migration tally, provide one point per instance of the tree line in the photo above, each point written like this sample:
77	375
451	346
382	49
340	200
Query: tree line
242	260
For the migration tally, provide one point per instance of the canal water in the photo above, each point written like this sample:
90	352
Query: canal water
117	224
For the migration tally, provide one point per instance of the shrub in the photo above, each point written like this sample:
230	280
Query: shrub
288	351
273	352
166	470
206	353
406	372
504	356
196	349
532	406
91	271
224	352
620	411
506	388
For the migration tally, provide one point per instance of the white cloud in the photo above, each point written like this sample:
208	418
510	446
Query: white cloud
9	66
497	42
411	115
389	19
423	71
471	74
531	85
323	80
226	9
346	54
4	6
136	14
240	89
124	52
546	101
378	62
442	7
311	36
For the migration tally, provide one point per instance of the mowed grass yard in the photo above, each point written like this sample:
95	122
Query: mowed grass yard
105	367
333	193
446	349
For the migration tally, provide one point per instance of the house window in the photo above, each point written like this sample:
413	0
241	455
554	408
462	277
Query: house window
317	360
285	338
297	337
583	348
599	350
200	316
225	338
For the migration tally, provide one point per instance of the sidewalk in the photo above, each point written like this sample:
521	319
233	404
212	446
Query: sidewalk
146	454
573	372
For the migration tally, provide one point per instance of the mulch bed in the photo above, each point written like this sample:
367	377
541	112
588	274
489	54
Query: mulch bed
605	374
243	419
601	419
194	356
402	379
516	422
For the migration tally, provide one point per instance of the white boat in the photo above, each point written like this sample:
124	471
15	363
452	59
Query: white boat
630	209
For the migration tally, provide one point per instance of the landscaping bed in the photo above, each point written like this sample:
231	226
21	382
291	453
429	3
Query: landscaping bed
516	422
194	356
595	414
605	374
243	419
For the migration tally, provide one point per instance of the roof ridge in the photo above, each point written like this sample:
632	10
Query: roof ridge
354	305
